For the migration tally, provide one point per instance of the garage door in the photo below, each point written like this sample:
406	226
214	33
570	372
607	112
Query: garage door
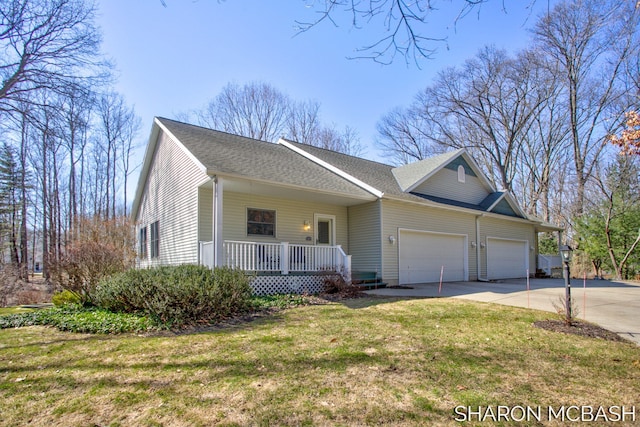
422	255
507	259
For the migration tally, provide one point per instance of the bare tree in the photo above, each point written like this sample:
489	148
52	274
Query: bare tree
544	145
46	45
486	106
76	109
305	126
255	110
260	111
409	134
590	41
117	128
404	25
303	122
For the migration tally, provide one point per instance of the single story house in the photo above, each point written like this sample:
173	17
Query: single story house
288	211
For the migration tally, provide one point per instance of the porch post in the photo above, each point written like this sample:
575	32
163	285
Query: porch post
218	254
284	257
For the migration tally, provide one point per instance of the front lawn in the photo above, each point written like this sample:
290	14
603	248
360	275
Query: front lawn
366	361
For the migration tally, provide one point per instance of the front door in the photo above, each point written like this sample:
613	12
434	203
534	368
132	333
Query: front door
325	229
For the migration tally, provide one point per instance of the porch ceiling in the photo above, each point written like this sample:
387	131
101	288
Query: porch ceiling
288	192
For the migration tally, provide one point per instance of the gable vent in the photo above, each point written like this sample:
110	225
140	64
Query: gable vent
461	173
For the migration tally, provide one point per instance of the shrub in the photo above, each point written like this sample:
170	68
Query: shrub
65	297
100	249
177	296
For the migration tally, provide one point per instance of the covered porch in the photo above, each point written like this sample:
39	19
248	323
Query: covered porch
278	258
286	236
282	267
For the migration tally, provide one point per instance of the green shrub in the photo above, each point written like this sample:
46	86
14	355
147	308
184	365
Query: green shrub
176	296
65	297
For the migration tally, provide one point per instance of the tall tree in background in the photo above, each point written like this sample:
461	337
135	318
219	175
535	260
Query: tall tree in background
487	106
75	111
10	202
610	230
590	41
46	45
260	111
64	166
117	125
527	116
540	174
255	110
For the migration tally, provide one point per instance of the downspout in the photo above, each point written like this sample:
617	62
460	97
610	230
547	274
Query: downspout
478	245
380	240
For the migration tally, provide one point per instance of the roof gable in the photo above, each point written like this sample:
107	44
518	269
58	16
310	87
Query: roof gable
504	208
413	174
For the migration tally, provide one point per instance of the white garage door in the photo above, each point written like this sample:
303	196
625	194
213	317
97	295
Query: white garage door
507	259
423	255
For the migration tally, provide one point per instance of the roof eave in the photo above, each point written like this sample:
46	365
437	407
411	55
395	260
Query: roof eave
144	171
431	203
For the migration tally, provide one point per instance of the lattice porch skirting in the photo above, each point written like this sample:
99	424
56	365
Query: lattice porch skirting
289	284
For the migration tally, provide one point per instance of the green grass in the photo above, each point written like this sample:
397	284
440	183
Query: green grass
367	361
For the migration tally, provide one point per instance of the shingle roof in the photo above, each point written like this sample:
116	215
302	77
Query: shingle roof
224	153
394	180
376	174
233	155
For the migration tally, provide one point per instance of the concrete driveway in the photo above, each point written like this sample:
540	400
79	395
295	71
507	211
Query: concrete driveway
612	305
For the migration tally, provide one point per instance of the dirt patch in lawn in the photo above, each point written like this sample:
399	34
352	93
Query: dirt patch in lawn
582	329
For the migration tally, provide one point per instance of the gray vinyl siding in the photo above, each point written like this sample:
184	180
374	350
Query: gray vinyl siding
290	217
365	238
505	229
445	184
397	215
171	197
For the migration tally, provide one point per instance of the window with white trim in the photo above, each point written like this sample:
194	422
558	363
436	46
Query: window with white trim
155	240
142	241
261	222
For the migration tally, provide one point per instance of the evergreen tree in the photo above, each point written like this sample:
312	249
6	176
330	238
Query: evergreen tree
610	229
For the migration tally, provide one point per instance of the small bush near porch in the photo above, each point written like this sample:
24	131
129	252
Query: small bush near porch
176	296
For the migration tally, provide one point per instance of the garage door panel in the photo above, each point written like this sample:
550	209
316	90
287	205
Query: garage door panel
422	257
506	259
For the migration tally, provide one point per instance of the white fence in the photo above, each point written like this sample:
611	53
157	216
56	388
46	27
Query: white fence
280	258
548	262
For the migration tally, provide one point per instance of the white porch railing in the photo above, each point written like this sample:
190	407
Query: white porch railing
280	258
548	262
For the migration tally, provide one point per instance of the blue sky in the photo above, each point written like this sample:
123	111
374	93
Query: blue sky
174	59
